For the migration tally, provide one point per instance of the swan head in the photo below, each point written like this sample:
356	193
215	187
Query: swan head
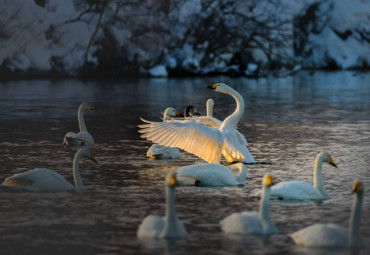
267	180
87	106
85	152
190	111
220	87
210	103
171	180
170	112
325	157
357	188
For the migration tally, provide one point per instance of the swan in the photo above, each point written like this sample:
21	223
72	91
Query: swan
46	180
169	226
205	142
332	235
299	190
210	104
157	151
190	111
82	138
252	222
205	174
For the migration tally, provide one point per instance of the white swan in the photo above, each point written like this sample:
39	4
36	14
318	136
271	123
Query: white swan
205	142
82	138
332	235
46	180
157	151
299	190
258	223
169	226
205	174
209	106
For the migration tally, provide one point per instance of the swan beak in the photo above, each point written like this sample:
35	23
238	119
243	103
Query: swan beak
92	157
331	162
93	108
179	114
214	86
356	187
267	180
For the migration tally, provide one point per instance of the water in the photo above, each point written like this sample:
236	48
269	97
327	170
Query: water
287	121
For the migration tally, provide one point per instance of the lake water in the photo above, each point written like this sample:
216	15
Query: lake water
287	121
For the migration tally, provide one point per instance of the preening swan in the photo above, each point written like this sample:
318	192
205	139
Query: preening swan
157	151
332	235
169	226
205	174
205	142
299	190
258	223
82	138
46	180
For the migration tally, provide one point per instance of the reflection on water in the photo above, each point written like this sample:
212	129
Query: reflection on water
287	121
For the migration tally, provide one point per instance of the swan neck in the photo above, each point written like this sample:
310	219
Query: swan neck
264	204
76	172
235	117
242	174
354	236
170	221
209	110
81	120
317	177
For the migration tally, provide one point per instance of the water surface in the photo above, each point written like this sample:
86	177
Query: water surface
287	121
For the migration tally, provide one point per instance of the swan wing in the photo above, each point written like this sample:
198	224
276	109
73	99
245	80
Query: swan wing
39	180
208	174
151	227
321	235
209	121
193	137
242	223
234	150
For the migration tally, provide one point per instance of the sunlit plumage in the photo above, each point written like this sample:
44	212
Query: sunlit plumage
203	141
82	138
299	190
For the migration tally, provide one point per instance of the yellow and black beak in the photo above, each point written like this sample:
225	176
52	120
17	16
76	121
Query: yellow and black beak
92	157
179	114
214	86
93	108
267	180
171	180
331	162
356	187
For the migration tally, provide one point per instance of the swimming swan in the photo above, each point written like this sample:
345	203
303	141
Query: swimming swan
46	180
205	174
299	190
332	235
169	226
82	138
203	141
258	223
157	151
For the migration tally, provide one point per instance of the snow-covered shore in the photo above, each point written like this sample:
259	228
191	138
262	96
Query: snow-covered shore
163	38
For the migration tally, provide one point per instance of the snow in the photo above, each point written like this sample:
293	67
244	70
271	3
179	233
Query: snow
158	71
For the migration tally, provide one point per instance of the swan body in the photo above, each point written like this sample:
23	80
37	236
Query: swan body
206	174
157	151
164	227
82	138
299	190
257	223
46	180
332	235
205	142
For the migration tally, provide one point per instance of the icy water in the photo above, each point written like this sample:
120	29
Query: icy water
287	121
